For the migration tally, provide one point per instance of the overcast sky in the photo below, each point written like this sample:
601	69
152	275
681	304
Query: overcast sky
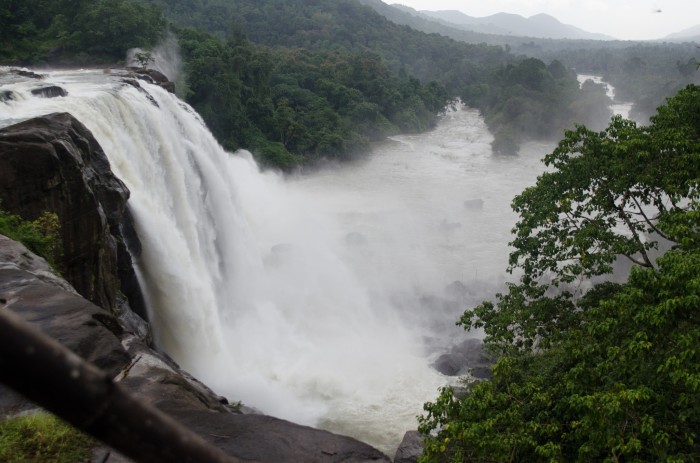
623	19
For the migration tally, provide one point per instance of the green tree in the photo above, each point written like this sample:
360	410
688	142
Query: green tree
611	373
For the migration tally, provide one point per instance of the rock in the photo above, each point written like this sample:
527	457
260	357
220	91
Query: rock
468	357
154	77
7	95
95	335
271	440
15	255
53	163
410	449
51	91
87	330
29	74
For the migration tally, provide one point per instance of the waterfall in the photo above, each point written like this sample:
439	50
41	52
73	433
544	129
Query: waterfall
248	286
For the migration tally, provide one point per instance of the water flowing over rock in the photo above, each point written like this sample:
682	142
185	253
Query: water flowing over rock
95	335
52	91
53	163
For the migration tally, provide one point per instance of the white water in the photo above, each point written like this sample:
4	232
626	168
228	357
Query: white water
618	107
318	298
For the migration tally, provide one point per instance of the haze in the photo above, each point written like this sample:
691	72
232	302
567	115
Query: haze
622	19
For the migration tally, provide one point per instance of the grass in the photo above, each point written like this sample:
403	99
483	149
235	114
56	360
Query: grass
42	437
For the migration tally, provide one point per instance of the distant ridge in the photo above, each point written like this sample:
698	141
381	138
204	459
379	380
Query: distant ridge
540	25
690	34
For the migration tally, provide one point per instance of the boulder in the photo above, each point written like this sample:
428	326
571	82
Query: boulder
410	449
53	163
466	358
52	91
154	77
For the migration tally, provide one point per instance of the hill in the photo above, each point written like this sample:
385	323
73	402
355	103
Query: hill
540	25
686	35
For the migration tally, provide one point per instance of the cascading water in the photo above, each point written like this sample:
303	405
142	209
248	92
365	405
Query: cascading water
311	298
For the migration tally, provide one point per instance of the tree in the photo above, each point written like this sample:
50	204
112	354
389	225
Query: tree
607	193
611	373
144	58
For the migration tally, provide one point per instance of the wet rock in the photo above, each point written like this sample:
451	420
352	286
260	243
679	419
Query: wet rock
29	74
410	449
6	95
54	164
52	91
467	357
154	77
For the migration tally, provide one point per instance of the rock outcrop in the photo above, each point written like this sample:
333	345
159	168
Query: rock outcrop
155	77
53	163
96	335
466	358
410	449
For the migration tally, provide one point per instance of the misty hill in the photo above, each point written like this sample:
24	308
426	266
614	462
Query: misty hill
407	16
690	34
540	25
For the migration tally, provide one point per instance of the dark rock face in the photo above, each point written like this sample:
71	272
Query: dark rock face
410	449
468	357
6	95
95	335
154	77
51	91
84	328
53	163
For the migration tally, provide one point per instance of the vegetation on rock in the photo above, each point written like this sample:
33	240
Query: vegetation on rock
41	236
611	373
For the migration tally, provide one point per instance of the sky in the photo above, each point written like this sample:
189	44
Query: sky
622	19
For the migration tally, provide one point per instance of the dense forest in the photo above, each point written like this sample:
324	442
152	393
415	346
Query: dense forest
297	81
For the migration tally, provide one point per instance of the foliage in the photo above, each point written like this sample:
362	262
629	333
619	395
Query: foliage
144	58
607	193
611	373
42	437
41	236
293	105
35	31
642	73
530	100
